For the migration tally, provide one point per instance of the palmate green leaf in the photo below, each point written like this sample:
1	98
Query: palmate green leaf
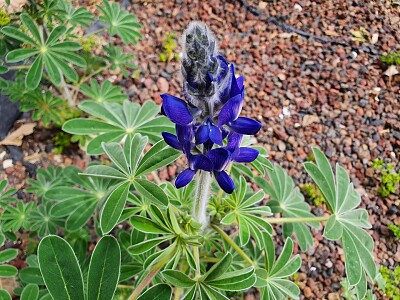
106	92
16	217
159	291
288	200
117	122
60	269
43	221
73	17
117	59
272	279
121	22
52	54
104	269
46	180
246	214
47	108
346	222
127	162
77	197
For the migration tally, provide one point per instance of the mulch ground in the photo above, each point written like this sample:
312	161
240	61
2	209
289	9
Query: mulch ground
309	84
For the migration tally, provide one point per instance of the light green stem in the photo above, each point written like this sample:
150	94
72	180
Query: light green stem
296	220
233	244
18	67
96	31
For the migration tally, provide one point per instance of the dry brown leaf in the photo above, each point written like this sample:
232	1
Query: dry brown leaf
309	119
331	33
361	35
15	138
391	71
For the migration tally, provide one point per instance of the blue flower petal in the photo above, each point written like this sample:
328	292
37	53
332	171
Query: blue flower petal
224	181
235	88
240	82
234	141
172	140
184	178
202	134
176	110
220	158
231	110
202	162
183	133
215	135
246	155
245	125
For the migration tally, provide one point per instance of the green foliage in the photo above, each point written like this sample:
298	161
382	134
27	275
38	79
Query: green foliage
313	194
115	122
272	279
395	229
121	22
390	177
243	210
104	93
128	171
4	17
62	274
6	195
118	60
391	58
287	200
169	45
44	40
61	141
42	220
392	282
16	217
211	284
346	222
46	107
52	54
7	270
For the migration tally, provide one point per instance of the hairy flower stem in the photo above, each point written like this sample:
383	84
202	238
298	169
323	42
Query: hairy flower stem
153	272
296	220
203	182
201	198
233	244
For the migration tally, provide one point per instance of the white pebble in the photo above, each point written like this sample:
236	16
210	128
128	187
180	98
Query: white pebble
7	163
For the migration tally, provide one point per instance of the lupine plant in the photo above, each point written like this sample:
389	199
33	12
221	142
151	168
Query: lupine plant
209	236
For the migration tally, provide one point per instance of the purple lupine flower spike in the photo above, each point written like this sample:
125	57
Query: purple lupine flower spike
210	112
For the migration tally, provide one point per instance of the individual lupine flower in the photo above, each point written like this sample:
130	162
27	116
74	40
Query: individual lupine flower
222	157
195	162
